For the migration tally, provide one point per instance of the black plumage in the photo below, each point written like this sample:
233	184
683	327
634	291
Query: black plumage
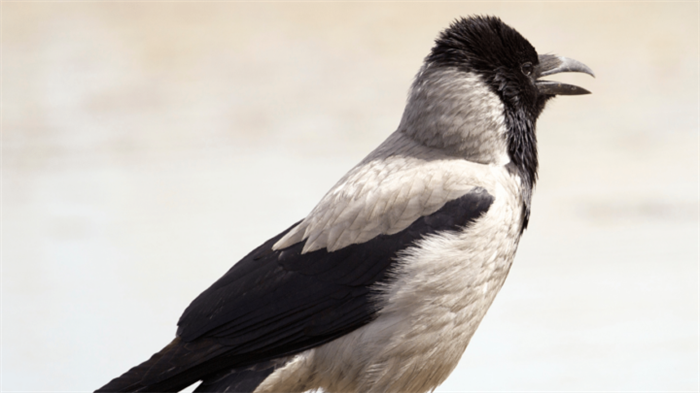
273	304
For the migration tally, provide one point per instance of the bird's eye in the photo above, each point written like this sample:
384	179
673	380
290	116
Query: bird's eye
526	68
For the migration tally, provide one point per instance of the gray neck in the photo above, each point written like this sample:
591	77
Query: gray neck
455	111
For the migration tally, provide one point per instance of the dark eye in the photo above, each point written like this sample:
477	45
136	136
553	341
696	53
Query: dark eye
526	68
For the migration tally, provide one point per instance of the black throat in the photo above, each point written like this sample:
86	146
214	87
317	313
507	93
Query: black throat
522	149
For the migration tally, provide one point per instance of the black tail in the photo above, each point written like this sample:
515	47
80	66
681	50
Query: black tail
180	364
174	368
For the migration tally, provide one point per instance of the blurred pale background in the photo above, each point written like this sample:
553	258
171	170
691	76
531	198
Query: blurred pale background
148	146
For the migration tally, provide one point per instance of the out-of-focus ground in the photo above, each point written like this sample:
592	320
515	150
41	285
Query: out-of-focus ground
146	147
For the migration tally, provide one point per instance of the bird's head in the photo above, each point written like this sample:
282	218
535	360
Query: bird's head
480	92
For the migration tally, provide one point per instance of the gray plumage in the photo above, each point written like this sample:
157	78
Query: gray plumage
382	285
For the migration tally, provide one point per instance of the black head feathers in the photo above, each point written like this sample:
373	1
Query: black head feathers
482	43
503	58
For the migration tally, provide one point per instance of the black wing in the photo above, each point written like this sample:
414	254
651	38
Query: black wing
277	303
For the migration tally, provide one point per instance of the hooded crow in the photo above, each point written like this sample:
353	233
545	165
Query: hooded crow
381	287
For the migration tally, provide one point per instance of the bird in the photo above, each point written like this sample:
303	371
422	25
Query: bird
382	285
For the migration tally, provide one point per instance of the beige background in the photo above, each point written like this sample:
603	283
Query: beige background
146	147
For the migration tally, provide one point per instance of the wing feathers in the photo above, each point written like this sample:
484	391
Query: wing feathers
384	195
275	303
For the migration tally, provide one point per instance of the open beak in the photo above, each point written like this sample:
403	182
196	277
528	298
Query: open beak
552	64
